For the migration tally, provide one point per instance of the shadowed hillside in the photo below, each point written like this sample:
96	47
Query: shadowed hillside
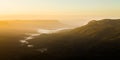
97	38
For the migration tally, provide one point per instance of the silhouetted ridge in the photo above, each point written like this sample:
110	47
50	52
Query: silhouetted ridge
105	21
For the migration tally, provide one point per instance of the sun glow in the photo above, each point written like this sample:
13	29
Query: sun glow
69	12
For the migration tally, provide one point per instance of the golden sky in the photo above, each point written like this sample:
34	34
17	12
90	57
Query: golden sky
72	10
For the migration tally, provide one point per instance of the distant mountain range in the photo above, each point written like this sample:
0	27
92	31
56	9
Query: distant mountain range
97	38
29	25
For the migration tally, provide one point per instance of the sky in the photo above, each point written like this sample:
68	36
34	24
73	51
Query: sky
63	10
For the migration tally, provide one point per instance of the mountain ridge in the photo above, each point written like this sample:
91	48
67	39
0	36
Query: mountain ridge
95	38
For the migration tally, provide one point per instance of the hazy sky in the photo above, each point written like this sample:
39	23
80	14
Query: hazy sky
59	9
